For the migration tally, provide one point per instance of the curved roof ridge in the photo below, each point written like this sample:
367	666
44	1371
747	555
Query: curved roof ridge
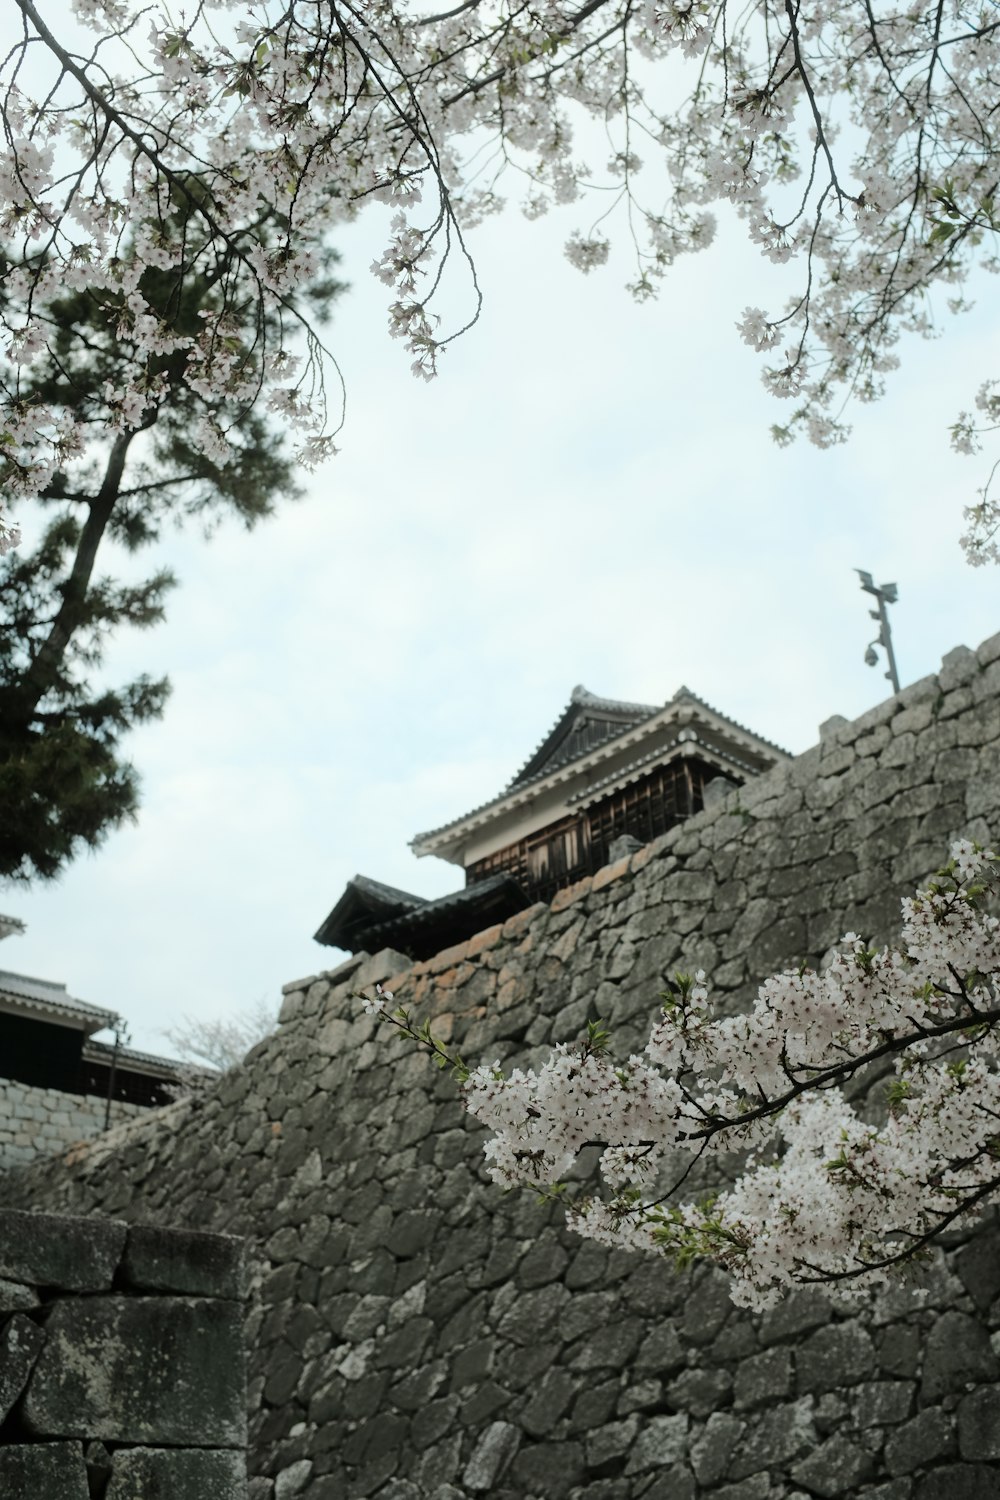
580	698
685	692
379	888
586	699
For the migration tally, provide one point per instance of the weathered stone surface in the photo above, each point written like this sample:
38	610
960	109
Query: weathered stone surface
149	1370
293	1480
661	1351
756	1488
894	1489
549	1469
16	1297
926	1439
764	1378
836	1468
839	1355
958	1482
675	1483
76	1255
776	1437
608	1348
978	1264
549	1401
606	1446
900	1351
20	1341
958	1353
662	1441
186	1261
700	1392
880	1402
491	1457
979	1425
177	1474
795	1315
713	1448
43	1471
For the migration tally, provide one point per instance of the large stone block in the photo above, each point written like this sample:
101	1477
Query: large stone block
20	1342
957	1353
491	1456
149	1370
43	1471
958	1482
76	1255
979	1425
184	1260
16	1297
177	1474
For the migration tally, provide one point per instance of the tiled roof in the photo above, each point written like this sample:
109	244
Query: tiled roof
685	692
103	1052
457	915
382	892
364	902
47	997
469	895
563	741
641	712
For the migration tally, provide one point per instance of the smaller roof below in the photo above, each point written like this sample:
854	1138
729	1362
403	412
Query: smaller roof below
426	927
46	1000
131	1060
364	903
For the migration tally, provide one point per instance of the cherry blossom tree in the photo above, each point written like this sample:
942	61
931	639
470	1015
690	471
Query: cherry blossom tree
811	1186
222	1042
855	139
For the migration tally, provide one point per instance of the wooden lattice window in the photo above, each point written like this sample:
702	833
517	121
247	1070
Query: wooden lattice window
556	856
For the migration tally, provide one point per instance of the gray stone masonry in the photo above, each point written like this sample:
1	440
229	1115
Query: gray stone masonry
122	1363
38	1122
415	1334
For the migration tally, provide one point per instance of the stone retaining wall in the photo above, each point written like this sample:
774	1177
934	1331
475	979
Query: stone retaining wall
417	1335
122	1368
42	1122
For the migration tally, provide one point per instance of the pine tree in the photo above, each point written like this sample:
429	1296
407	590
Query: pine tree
65	781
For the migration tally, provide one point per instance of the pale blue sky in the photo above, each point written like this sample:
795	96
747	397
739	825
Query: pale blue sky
589	493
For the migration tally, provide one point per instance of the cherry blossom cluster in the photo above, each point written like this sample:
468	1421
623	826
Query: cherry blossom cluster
272	124
828	1184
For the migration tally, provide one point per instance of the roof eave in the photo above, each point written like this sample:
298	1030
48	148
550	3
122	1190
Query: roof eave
58	1014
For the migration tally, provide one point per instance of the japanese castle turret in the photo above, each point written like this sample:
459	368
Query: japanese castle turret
608	778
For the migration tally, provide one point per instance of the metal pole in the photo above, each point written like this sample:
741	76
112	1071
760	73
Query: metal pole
886	593
121	1035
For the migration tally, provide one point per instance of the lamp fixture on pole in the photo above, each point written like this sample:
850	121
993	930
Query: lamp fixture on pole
885	593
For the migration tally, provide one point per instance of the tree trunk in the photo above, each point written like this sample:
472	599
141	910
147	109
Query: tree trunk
43	671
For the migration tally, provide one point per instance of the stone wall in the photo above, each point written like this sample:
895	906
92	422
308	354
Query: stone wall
122	1368
41	1122
416	1335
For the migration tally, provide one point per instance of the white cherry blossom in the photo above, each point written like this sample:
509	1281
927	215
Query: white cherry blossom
825	1195
855	140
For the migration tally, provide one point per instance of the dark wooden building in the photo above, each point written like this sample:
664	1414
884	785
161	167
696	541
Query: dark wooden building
607	772
48	1041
